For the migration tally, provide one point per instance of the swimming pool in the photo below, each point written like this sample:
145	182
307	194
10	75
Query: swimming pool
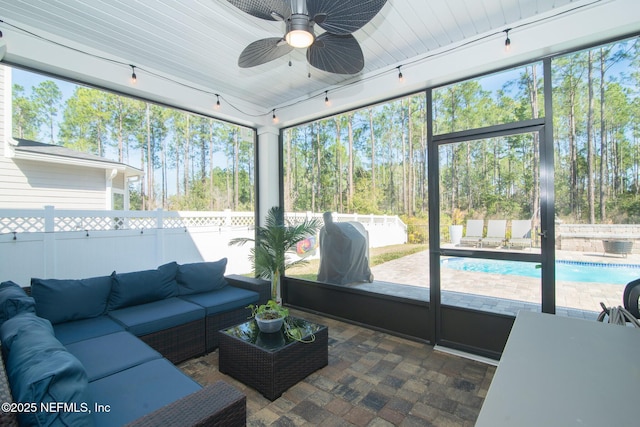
571	271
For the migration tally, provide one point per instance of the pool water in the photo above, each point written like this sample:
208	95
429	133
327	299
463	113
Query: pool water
570	271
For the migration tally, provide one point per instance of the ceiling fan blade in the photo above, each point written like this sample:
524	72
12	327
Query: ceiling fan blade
264	9
343	17
263	51
336	54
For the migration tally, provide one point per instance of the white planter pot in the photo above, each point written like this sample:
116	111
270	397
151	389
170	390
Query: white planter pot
455	233
269	325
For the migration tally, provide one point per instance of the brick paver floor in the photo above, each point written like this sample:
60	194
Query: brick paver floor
373	379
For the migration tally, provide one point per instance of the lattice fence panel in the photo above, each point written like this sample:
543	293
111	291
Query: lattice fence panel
194	221
248	221
140	223
21	225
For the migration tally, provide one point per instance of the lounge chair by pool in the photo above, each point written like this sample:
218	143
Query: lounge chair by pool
473	234
496	231
520	233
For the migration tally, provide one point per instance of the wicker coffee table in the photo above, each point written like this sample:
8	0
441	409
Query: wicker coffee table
271	363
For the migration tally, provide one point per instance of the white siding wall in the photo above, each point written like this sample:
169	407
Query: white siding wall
3	109
32	185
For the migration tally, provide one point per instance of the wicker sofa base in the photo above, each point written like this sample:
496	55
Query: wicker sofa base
223	321
180	342
218	404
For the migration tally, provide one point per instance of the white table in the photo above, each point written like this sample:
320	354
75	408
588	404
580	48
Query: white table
558	371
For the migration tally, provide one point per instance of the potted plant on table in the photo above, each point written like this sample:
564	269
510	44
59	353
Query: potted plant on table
273	252
269	316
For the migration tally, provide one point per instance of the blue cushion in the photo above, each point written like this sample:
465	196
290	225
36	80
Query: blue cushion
79	330
66	300
20	323
224	299
201	276
108	354
14	300
156	316
42	371
140	287
138	391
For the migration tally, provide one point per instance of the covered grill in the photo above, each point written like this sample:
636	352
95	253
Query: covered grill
344	252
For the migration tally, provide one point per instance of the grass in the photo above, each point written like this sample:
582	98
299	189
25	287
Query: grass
378	256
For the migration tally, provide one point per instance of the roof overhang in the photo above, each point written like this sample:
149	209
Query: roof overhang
34	154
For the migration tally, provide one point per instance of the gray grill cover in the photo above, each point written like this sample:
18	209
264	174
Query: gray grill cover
344	252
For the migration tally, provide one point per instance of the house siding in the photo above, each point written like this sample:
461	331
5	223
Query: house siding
2	111
33	184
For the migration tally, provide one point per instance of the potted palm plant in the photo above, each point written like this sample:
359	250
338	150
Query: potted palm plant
272	253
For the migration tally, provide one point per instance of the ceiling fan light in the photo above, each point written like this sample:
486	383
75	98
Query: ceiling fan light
299	38
299	32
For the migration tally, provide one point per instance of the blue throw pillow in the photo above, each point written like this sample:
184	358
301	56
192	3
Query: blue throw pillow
42	371
140	287
65	300
14	300
22	322
201	276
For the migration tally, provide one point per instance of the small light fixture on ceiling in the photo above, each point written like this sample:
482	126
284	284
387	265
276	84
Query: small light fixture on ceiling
134	78
326	98
217	107
273	116
507	41
400	76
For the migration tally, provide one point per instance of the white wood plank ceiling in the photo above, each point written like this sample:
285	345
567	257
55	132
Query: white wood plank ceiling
197	42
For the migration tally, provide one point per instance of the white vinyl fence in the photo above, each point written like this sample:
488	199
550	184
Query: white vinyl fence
53	243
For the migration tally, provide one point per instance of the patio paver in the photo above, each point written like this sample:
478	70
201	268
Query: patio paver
505	294
373	379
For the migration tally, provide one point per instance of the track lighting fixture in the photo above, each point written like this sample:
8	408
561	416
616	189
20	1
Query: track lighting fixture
134	78
326	98
507	41
400	76
217	107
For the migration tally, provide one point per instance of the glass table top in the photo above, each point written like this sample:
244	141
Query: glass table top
294	329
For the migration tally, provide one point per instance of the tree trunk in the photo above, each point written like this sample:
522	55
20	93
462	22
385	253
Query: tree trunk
573	153
288	202
350	173
533	99
411	183
236	170
590	160
373	159
403	153
187	155
338	165
149	161
211	180
603	141
318	166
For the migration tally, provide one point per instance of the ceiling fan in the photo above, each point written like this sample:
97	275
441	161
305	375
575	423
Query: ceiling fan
334	51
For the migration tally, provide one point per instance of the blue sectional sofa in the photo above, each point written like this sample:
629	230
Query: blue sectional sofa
100	351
